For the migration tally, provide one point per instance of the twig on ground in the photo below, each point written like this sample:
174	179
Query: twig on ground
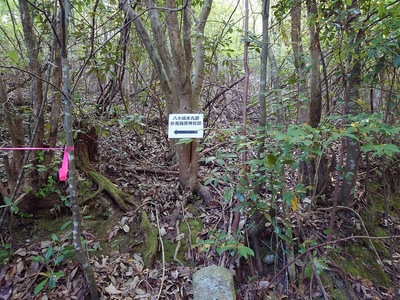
162	254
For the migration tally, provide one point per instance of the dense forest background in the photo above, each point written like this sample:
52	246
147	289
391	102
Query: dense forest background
294	186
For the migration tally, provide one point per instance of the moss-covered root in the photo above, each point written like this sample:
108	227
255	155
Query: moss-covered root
120	197
150	242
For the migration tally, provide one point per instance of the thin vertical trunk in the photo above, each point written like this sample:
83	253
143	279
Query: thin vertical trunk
299	63
15	136
244	167
258	218
352	91
34	68
275	85
314	113
76	215
263	67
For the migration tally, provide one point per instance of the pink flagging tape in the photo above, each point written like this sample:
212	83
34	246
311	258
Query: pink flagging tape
32	148
63	171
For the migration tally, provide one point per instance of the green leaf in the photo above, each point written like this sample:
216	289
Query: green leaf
13	55
49	253
52	282
59	274
350	135
396	61
308	270
228	194
38	259
208	181
54	237
59	259
271	160
184	141
320	265
40	286
245	251
65	225
288	197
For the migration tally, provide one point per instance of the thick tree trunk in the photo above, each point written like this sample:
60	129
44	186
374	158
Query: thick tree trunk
172	59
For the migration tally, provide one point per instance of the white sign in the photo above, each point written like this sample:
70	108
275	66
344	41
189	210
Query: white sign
185	126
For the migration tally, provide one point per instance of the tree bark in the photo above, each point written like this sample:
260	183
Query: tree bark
15	135
314	113
34	68
173	62
258	218
81	255
352	91
299	63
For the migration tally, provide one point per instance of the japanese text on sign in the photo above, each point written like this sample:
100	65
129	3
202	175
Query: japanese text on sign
185	126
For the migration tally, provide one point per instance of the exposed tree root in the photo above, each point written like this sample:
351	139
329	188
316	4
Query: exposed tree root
120	197
84	150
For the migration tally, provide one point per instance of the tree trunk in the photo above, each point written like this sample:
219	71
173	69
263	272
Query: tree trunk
314	113
17	138
81	255
258	219
352	91
299	63
172	59
34	68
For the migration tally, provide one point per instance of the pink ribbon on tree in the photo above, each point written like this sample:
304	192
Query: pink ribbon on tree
63	171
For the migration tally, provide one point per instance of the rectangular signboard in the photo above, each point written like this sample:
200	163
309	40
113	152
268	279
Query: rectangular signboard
185	126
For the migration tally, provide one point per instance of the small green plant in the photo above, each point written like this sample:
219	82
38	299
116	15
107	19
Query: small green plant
48	188
57	251
6	252
222	242
10	204
319	263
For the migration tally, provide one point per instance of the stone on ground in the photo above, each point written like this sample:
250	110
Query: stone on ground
213	283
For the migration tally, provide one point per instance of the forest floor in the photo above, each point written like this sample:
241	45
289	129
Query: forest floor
37	255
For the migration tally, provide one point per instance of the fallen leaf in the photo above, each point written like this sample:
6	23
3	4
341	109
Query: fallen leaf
112	290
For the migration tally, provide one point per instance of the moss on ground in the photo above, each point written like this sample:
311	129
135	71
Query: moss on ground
188	230
148	249
363	263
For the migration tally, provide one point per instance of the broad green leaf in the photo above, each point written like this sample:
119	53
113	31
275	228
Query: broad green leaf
320	265
40	286
13	55
59	259
49	253
185	141
245	251
396	61
228	194
271	160
288	197
208	181
59	274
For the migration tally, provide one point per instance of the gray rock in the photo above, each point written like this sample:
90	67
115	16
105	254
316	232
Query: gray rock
213	283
